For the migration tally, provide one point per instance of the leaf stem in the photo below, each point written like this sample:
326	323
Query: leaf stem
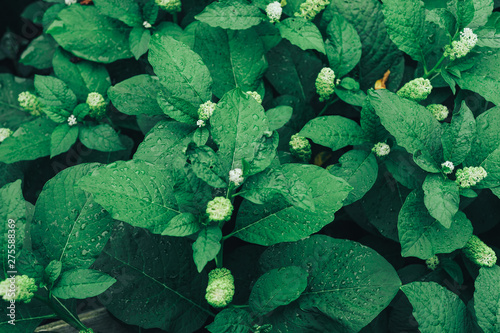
327	105
436	69
61	311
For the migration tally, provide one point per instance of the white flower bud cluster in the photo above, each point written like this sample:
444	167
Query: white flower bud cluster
416	90
381	149
470	176
219	209
72	120
171	6
236	176
432	263
325	83
447	167
273	11
69	2
5	133
439	111
462	47
255	95
310	8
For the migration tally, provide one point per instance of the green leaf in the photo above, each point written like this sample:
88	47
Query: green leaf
181	71
39	52
230	320
207	246
250	138
279	221
69	225
343	46
11	114
413	126
175	288
61	140
54	93
264	186
127	11
279	116
292	71
484	77
457	137
277	287
184	224
200	136
486	299
28	142
139	41
302	33
441	197
83	77
360	169
436	309
334	132
422	236
405	24
52	272
379	53
206	166
82	283
86	33
137	95
354	97
101	137
177	108
370	123
136	192
27	317
232	63
402	167
231	14
13	213
471	13
352	296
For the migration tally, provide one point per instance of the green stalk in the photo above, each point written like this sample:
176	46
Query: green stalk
61	311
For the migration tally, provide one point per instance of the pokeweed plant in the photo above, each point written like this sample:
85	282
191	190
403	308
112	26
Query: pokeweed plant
262	120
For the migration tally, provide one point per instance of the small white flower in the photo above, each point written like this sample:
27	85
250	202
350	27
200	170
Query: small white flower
255	95
447	167
146	24
236	176
381	149
273	11
462	47
72	120
200	123
4	133
69	2
206	110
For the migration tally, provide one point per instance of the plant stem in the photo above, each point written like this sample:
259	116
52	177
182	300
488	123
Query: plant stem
436	69
327	105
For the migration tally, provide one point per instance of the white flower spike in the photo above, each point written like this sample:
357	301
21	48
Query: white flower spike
273	11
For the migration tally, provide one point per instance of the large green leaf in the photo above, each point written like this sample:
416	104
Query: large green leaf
27	316
29	142
101	137
278	287
405	24
486	299
334	132
303	33
249	137
457	136
181	71
82	283
436	309
69	225
280	221
413	126
231	320
441	197
360	169
158	288
379	53
55	93
231	14
136	192
88	34
83	77
127	11
348	282
39	52
343	46
422	236
136	95
61	140
232	63
484	77
402	167
206	166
